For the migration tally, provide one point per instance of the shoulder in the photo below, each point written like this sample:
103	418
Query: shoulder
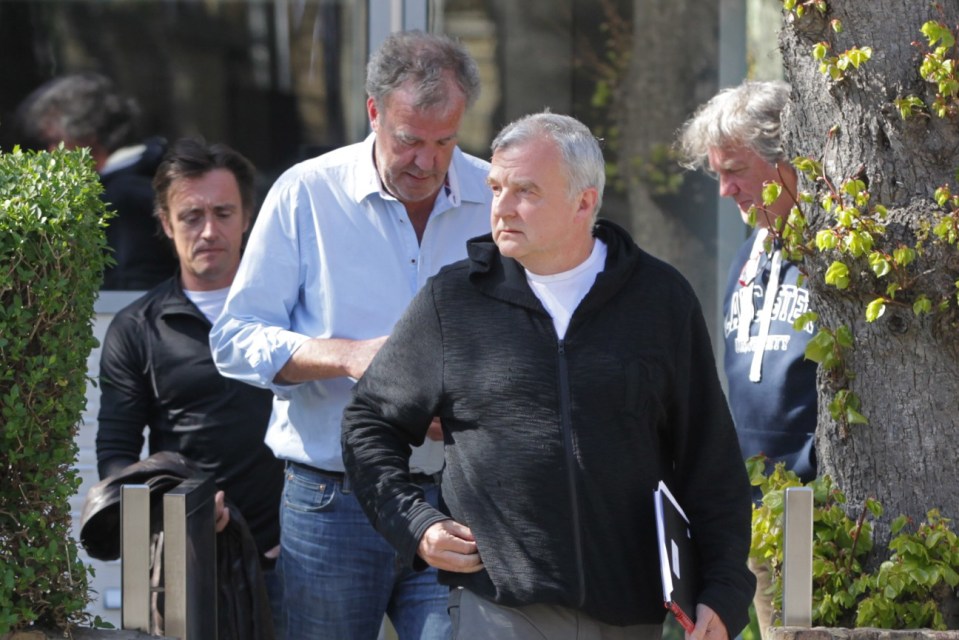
146	307
332	168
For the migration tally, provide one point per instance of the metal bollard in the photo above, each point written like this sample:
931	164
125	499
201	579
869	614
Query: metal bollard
135	555
189	560
797	555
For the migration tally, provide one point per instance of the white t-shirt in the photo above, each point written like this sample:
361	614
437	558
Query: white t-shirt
210	303
562	292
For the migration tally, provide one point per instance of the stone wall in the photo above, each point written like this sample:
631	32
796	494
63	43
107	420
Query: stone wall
865	633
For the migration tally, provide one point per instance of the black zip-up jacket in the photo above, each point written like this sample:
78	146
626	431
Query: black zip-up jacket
554	447
156	371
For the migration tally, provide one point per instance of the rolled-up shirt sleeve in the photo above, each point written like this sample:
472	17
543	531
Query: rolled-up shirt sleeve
253	338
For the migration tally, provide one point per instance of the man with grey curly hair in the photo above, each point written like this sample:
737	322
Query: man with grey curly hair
342	244
88	110
771	386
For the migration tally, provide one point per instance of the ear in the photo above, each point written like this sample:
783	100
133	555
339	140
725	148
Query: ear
165	223
373	113
587	204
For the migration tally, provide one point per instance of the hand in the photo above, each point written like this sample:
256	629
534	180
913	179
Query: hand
221	510
450	546
435	430
708	625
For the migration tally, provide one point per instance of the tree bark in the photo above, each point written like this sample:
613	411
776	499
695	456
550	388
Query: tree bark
906	368
669	76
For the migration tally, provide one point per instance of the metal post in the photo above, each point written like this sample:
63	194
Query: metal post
797	555
135	556
189	560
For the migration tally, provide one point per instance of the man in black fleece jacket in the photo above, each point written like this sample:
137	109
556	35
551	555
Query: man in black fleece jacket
571	371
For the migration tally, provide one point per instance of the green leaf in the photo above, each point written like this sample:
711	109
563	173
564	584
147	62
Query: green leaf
879	264
820	347
853	187
771	192
937	32
922	305
904	256
837	275
819	50
805	321
875	309
826	239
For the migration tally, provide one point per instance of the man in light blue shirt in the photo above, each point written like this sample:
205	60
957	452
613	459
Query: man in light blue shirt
341	245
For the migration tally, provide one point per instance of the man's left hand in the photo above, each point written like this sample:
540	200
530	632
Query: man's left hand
708	625
221	510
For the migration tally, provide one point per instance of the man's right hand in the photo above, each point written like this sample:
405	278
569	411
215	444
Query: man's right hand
450	546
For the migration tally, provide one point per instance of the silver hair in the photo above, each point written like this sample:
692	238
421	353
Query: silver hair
747	115
427	60
80	108
579	148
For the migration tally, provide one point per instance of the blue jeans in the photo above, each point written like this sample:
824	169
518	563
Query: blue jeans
340	576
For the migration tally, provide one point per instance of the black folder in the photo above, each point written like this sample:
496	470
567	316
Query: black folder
677	558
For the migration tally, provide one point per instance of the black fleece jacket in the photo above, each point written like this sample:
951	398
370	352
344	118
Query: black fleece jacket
156	371
554	447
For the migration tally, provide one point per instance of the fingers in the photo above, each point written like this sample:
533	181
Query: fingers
221	511
435	430
709	626
450	546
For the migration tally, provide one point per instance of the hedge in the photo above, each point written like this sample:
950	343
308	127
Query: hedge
52	255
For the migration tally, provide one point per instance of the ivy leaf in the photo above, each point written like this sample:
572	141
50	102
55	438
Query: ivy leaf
938	32
879	264
819	50
854	187
854	417
838	275
844	337
875	309
807	319
904	256
922	305
826	239
820	347
771	192
857	56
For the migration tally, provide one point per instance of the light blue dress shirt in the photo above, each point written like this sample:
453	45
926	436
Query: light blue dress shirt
333	255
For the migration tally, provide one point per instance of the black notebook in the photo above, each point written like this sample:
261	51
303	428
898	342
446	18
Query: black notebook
677	558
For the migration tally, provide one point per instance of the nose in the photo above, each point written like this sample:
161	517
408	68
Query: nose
501	207
727	186
209	226
425	158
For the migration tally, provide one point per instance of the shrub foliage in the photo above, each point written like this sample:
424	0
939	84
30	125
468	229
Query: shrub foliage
52	254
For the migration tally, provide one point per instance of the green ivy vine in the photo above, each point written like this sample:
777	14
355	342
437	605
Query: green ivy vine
900	594
855	237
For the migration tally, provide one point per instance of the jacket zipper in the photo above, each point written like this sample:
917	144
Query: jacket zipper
566	424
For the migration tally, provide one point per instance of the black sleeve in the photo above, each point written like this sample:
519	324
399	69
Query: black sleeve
711	474
392	406
125	396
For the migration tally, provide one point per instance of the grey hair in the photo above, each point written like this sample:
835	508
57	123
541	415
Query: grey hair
427	60
579	148
747	115
80	108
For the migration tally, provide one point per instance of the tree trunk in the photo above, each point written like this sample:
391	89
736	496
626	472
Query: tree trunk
669	76
906	368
